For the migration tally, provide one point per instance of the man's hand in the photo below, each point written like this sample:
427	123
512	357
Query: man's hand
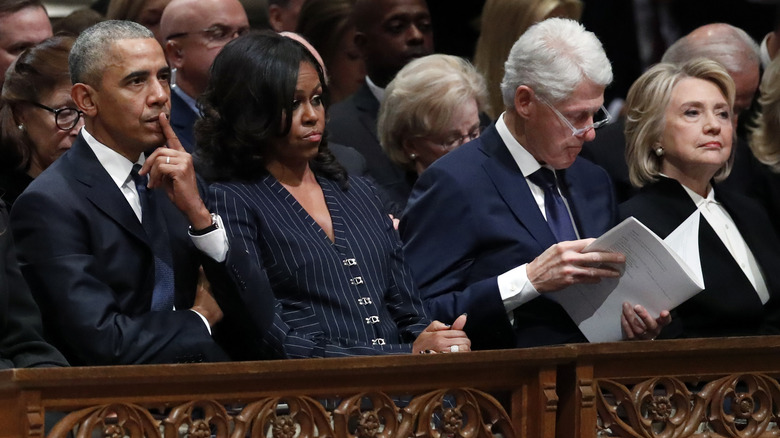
637	324
171	168
564	264
441	338
205	304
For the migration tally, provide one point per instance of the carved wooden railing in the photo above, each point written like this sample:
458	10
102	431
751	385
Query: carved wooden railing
650	389
673	389
483	394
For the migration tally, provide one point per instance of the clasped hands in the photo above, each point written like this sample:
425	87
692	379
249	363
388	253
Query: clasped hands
442	338
564	264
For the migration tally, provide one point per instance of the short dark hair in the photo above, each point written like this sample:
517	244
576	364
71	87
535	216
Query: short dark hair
251	87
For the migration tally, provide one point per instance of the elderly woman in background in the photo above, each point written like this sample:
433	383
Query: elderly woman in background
503	21
297	222
328	26
38	119
679	134
431	107
144	12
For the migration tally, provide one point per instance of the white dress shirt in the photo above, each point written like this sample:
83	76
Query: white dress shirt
724	226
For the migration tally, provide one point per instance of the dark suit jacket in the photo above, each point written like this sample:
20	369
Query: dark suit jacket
90	266
183	122
352	122
729	305
21	339
354	296
472	217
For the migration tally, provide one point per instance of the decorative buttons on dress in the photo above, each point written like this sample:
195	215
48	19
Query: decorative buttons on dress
349	262
364	301
372	319
378	341
356	281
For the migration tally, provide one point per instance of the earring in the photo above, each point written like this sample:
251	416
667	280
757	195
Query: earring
412	156
659	151
20	126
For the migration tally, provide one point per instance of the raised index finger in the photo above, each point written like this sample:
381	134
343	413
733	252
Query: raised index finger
170	136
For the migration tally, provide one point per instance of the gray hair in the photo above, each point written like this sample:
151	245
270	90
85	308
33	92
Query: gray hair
88	59
553	57
724	43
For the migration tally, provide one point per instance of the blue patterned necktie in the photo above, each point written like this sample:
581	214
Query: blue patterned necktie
154	225
557	214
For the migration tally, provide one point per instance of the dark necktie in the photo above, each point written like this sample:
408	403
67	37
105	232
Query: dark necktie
154	225
557	214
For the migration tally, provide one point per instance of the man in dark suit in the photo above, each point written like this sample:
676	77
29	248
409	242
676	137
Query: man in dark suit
390	33
195	31
485	236
107	254
21	341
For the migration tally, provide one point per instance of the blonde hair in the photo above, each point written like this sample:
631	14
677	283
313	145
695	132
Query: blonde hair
765	135
421	98
647	101
503	21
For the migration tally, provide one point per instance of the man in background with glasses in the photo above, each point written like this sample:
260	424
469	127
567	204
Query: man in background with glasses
493	226
195	31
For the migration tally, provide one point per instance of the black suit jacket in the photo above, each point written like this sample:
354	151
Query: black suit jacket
472	217
352	122
183	122
21	339
729	305
90	266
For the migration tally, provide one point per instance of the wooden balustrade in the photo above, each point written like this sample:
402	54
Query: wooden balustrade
684	388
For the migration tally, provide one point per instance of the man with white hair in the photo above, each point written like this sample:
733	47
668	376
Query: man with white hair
493	226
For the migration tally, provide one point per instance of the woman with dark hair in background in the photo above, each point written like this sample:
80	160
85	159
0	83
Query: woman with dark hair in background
296	220
38	119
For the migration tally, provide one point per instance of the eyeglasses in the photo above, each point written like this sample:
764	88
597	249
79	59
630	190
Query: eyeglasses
457	139
600	118
65	118
218	33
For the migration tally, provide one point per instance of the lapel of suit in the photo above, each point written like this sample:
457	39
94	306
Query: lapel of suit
99	189
368	105
574	187
183	121
511	185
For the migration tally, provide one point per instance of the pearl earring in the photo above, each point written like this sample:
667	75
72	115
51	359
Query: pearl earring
412	156
659	151
20	126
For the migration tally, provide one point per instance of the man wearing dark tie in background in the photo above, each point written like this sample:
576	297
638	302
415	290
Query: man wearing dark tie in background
493	226
106	253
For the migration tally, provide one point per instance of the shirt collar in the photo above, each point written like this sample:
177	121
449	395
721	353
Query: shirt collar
698	199
378	92
192	103
525	161
117	166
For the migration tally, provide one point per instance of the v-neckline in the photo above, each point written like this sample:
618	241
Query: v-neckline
339	243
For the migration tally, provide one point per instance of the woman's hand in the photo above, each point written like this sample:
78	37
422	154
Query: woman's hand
637	324
442	338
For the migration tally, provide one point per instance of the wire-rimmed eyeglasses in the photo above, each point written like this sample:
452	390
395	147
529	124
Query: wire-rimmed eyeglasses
65	118
218	33
600	118
458	139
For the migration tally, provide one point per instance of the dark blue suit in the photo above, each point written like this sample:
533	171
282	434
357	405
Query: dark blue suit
89	264
183	122
354	296
472	217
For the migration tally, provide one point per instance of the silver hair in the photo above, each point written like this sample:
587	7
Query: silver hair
553	57
88	58
726	44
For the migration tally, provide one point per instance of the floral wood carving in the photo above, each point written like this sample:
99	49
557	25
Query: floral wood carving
116	420
455	413
374	415
200	417
740	406
304	417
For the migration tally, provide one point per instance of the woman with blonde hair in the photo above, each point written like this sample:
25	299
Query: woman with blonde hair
503	21
431	107
679	135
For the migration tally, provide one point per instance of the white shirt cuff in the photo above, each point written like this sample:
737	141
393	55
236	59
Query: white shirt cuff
205	321
214	244
515	288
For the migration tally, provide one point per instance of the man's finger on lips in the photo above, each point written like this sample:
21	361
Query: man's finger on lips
170	135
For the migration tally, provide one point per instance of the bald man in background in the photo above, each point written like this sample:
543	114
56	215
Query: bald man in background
195	31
